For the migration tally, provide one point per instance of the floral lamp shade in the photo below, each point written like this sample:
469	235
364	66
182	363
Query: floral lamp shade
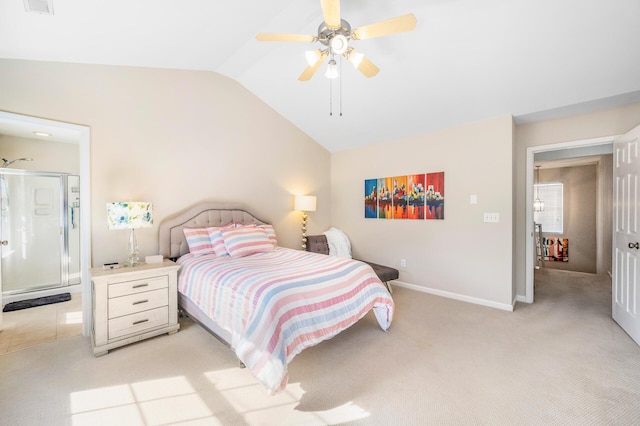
129	215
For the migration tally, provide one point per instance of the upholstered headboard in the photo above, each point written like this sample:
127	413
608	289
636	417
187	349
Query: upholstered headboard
172	242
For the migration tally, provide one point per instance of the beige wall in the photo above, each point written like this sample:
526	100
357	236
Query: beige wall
460	256
575	128
579	215
47	156
174	138
604	216
514	193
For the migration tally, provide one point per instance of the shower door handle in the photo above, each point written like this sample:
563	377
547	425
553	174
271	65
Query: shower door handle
4	242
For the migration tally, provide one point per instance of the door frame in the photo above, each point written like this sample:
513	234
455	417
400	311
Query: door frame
530	248
80	135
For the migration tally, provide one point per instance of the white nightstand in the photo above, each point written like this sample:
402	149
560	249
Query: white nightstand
133	303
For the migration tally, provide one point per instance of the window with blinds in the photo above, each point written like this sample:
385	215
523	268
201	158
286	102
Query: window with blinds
551	217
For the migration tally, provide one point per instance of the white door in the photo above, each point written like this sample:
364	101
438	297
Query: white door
626	233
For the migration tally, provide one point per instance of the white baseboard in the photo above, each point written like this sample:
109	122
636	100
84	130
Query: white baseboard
522	299
456	296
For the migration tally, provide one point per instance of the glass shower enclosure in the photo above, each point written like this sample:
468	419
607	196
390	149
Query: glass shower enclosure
39	231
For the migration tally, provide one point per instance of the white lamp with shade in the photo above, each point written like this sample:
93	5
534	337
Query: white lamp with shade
305	203
130	215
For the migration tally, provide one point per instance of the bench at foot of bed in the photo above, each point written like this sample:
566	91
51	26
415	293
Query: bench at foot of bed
319	244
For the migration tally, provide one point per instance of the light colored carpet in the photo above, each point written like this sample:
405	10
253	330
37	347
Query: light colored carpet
562	361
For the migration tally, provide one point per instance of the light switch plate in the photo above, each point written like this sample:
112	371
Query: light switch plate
492	217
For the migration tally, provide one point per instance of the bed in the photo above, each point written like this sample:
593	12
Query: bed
266	302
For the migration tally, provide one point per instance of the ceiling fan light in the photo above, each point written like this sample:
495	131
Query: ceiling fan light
355	58
332	69
339	44
312	56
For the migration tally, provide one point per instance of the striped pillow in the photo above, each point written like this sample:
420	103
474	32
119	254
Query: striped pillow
244	225
198	241
246	240
217	242
271	233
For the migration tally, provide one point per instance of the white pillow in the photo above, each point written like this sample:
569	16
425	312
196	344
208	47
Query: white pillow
339	244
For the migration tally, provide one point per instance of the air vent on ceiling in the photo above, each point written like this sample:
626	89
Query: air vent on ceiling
39	6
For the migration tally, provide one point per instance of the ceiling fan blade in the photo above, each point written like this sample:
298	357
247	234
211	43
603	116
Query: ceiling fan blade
390	26
309	71
285	37
362	64
367	68
331	12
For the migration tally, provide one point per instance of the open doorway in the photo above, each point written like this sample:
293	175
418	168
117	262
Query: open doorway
573	207
72	133
562	151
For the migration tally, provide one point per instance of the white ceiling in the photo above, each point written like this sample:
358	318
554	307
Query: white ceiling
467	60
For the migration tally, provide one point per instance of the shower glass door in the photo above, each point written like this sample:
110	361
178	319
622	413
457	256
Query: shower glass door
31	231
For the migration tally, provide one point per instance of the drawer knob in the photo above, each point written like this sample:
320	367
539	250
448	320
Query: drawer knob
140	301
141	321
141	285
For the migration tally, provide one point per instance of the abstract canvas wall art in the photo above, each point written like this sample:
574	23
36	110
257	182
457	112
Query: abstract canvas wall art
417	196
435	195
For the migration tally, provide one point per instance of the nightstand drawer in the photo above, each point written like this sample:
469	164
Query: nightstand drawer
133	303
136	323
138	286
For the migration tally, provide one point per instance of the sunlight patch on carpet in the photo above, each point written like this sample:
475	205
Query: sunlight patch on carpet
153	402
252	401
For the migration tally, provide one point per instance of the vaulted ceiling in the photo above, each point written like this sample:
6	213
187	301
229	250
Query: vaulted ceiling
467	60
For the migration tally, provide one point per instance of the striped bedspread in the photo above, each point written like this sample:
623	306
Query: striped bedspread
276	304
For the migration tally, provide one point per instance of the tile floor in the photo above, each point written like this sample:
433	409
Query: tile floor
41	324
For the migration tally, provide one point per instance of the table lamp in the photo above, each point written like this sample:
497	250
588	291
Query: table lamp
130	215
305	203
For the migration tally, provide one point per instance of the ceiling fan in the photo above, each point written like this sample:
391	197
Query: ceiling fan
335	33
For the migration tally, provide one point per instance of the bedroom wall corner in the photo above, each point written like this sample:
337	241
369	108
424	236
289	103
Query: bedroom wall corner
514	212
174	138
460	255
